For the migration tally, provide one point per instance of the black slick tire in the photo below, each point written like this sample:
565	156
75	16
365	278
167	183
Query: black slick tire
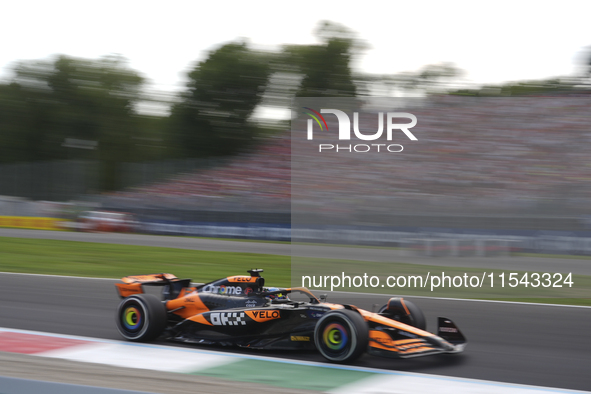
341	335
141	318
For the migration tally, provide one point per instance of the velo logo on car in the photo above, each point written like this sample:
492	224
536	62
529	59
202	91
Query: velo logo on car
263	315
344	130
248	279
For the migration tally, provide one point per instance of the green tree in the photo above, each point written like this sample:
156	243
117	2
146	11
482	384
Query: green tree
71	98
222	93
326	68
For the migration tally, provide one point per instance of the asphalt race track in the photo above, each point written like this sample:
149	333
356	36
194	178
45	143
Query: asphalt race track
531	344
516	343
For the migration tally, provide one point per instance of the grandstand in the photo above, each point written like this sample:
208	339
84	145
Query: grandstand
474	155
516	155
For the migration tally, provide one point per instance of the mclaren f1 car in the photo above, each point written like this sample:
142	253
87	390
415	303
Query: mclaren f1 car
241	311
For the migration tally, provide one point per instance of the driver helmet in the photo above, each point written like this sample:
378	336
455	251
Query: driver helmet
279	296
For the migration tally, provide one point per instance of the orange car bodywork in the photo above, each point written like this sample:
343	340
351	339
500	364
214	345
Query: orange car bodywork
189	305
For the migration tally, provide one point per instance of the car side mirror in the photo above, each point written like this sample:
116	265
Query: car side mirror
323	297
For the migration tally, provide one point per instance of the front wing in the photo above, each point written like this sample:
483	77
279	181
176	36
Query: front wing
402	341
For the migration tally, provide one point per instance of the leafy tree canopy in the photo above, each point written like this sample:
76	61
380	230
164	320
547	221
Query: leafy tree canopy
222	93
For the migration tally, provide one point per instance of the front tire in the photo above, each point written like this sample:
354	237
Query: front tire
341	335
141	318
416	318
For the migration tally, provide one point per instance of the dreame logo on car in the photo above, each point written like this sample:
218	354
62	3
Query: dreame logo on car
223	289
344	132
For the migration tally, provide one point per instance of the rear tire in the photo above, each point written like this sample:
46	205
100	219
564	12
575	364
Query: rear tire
415	319
141	318
341	335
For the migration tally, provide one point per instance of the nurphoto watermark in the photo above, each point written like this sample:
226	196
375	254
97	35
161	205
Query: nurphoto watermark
344	130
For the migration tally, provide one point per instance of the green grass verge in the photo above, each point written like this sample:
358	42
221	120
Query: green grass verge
115	261
40	256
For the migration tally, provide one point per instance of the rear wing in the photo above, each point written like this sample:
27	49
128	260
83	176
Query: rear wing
133	284
154	279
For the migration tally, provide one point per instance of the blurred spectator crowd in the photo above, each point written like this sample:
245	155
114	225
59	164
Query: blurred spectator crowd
513	154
